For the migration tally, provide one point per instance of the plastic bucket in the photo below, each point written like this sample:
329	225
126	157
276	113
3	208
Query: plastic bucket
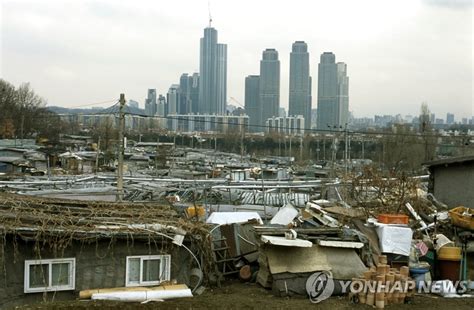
418	274
449	253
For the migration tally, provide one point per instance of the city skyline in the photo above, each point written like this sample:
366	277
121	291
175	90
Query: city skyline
386	52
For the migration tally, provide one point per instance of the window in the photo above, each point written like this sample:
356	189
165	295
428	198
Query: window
147	270
49	275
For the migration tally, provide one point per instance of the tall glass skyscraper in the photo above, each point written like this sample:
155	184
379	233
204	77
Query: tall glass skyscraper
342	93
252	94
213	74
300	83
269	94
333	93
150	102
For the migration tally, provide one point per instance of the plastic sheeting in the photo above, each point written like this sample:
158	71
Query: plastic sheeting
140	296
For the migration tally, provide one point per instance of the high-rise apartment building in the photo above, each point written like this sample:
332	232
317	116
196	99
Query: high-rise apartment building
449	118
173	99
342	94
333	93
300	83
194	93
252	95
213	74
269	93
161	106
150	102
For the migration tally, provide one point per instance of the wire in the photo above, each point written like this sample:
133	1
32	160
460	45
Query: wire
90	104
110	111
352	132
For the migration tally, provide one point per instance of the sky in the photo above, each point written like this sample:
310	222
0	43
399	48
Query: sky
399	53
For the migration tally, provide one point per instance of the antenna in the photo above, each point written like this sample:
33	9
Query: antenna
209	9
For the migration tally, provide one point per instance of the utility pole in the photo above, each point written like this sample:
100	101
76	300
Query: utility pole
242	133
324	148
121	149
346	145
333	157
22	125
279	144
291	135
301	148
317	150
97	157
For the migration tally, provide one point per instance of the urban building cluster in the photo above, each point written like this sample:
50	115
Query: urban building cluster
387	120
203	95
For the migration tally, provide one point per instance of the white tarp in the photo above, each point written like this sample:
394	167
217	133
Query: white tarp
226	218
394	239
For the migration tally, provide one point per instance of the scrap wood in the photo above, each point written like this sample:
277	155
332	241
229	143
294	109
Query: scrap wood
352	212
371	234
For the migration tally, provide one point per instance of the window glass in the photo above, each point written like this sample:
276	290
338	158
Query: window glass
39	275
151	270
134	270
60	274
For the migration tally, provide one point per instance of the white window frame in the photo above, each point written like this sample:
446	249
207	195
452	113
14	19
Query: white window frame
50	263
165	268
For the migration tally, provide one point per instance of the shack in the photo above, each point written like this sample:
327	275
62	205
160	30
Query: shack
52	249
13	165
452	180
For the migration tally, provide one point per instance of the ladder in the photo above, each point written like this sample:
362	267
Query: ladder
224	263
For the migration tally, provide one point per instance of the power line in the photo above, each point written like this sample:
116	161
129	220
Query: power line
351	132
91	104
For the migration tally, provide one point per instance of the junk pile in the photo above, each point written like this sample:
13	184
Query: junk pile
386	231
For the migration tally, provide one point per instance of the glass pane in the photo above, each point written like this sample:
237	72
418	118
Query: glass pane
134	270
60	274
151	270
165	266
39	276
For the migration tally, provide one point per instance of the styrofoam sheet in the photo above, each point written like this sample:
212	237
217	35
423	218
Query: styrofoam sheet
395	239
226	218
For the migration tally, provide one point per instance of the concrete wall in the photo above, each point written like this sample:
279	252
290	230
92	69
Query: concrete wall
98	265
454	184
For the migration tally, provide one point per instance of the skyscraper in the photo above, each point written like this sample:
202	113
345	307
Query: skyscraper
194	92
333	93
252	93
300	82
161	106
173	99
449	118
184	106
269	94
342	93
213	74
150	102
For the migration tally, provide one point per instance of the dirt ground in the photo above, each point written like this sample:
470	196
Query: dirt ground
237	295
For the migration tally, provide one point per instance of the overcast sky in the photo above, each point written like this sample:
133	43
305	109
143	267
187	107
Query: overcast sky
399	53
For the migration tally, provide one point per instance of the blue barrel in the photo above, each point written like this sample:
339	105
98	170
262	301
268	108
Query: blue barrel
418	274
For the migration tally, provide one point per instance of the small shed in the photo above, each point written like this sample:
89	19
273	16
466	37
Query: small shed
13	165
452	180
52	249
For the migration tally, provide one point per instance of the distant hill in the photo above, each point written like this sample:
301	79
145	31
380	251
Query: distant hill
113	109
